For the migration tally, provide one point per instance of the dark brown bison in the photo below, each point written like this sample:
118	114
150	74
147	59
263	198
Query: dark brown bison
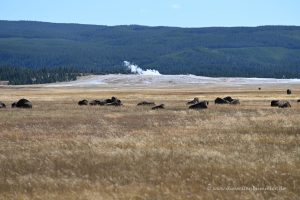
298	100
113	102
200	105
259	88
146	103
83	102
194	101
221	101
229	99
284	104
24	103
289	91
161	106
2	105
274	103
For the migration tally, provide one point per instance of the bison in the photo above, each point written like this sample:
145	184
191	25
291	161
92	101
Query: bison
221	101
83	102
200	105
284	104
229	99
23	103
2	105
113	101
274	103
280	104
161	106
146	103
97	102
289	91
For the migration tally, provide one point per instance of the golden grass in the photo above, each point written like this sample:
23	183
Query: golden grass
59	150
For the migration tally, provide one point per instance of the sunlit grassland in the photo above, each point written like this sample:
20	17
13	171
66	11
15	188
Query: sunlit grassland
59	150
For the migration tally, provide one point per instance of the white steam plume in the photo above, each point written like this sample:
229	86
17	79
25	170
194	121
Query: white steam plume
137	70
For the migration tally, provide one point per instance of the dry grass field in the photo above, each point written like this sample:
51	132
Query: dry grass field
59	150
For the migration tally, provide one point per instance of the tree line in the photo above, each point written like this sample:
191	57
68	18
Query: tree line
22	75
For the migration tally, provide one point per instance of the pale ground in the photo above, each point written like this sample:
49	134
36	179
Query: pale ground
59	150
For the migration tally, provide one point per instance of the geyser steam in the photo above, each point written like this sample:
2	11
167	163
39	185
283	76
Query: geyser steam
137	70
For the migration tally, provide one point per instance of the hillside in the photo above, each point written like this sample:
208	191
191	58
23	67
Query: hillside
267	51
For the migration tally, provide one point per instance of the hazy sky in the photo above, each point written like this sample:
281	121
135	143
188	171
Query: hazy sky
184	13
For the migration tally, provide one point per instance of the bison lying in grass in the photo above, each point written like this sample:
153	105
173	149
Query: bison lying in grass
200	105
280	104
161	106
274	103
146	103
22	103
97	102
284	104
83	102
227	100
2	105
113	102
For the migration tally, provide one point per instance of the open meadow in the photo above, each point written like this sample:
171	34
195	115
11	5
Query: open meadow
59	150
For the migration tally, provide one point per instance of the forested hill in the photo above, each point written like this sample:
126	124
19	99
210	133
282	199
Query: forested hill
266	51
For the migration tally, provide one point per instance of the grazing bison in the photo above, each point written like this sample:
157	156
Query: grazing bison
289	91
298	100
146	103
200	105
83	102
2	105
194	101
24	103
274	103
161	106
235	102
259	88
284	104
221	101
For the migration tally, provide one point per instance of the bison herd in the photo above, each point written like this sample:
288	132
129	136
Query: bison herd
193	104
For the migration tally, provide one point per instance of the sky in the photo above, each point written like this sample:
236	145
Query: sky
181	13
